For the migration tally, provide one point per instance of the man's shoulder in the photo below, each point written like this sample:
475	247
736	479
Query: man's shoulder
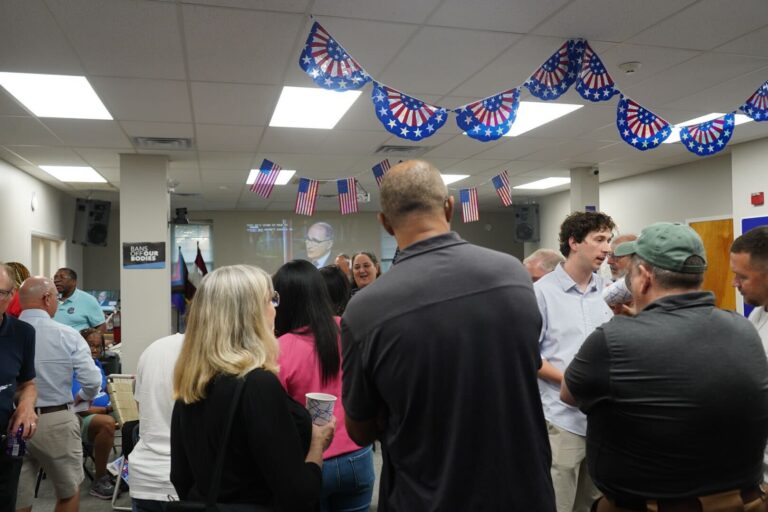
166	344
15	327
83	297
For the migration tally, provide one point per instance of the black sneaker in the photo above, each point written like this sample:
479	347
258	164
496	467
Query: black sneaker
103	488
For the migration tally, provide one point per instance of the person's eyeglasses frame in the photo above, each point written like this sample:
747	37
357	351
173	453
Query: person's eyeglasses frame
6	294
316	241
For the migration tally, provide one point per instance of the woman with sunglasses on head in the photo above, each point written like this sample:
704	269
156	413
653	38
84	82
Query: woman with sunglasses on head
274	454
310	361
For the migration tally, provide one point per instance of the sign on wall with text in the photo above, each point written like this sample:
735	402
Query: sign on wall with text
143	255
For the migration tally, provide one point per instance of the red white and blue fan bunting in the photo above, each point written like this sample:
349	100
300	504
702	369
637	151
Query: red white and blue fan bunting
329	64
709	137
491	117
404	116
555	76
594	83
756	106
640	127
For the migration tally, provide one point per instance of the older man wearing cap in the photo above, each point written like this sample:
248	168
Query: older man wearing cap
676	398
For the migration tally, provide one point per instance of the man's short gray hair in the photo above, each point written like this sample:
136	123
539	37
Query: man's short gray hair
419	189
671	280
547	259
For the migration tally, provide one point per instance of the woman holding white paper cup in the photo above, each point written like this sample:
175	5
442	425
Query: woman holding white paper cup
310	367
274	454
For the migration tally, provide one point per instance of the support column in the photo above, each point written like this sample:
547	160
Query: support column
585	189
145	295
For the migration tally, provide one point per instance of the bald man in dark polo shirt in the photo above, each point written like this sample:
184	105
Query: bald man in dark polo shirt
440	356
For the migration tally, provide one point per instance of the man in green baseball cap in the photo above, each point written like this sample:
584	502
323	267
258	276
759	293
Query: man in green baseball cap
676	397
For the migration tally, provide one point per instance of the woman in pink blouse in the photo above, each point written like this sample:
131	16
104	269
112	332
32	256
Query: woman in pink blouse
310	361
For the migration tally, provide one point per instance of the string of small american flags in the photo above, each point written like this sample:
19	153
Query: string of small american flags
307	194
575	63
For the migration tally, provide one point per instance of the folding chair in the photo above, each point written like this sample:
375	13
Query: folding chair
120	389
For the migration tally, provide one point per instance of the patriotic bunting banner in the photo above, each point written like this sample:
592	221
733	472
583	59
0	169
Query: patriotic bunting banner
379	170
709	137
756	105
329	64
640	127
489	118
306	197
555	76
501	184
404	116
347	195
469	205
265	179
594	83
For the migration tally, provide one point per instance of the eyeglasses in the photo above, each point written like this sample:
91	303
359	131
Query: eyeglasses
4	294
275	299
316	241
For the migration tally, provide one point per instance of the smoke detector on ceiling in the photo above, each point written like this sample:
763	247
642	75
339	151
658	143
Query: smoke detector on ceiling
630	67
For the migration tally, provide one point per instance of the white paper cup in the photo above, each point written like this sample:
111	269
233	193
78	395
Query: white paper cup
320	407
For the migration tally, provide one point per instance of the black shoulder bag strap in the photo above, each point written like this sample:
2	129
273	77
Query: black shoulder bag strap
213	492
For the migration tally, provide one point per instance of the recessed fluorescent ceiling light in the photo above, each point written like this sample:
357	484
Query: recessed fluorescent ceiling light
55	95
545	183
310	107
73	174
675	135
532	114
283	177
453	178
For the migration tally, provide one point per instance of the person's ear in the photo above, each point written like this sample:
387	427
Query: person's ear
647	278
449	209
572	243
385	224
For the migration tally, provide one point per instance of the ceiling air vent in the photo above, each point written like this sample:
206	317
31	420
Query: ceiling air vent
402	151
163	143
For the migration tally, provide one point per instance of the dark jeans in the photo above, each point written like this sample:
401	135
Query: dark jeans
348	482
9	481
148	505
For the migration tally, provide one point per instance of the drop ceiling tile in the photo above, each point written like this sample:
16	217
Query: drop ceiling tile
293	140
502	15
101	156
606	20
32	42
25	131
9	106
268	5
241	104
111	174
211	137
723	97
230	45
474	166
232	160
460	146
706	24
133	99
47	155
437	59
137	39
353	142
511	148
407	11
223	177
754	43
88	133
568	150
169	130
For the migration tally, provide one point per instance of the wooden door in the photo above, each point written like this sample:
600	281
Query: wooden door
717	236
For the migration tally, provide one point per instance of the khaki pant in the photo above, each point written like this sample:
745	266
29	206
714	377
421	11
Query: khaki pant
574	490
730	501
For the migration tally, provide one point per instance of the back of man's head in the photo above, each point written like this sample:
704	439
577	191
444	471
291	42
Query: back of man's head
413	187
541	262
33	292
755	243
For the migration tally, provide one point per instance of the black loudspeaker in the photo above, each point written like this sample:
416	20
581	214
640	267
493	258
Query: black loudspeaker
91	222
526	222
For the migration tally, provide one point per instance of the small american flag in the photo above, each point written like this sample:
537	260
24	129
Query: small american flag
265	179
469	211
347	195
307	196
501	184
379	170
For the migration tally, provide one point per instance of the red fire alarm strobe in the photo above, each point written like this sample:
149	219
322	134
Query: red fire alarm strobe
758	198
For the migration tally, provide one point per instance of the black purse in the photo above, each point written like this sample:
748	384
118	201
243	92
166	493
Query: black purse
210	505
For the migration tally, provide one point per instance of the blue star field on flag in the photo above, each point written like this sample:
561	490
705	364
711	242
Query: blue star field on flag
594	83
640	127
329	64
405	116
558	73
709	137
756	105
491	117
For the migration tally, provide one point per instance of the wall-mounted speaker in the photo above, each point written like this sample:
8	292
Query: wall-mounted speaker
91	222
526	222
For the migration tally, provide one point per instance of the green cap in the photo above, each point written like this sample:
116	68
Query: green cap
667	245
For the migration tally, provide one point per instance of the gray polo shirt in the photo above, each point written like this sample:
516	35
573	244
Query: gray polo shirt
446	345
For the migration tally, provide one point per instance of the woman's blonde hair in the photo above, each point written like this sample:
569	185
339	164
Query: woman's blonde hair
227	330
20	272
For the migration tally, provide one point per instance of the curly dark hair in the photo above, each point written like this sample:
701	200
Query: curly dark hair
755	243
579	224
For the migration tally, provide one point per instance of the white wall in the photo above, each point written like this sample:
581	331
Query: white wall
53	217
695	190
750	174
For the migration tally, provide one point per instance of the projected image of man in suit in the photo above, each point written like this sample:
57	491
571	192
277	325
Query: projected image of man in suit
319	242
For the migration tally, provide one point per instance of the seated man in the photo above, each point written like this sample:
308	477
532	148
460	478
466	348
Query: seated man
97	426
